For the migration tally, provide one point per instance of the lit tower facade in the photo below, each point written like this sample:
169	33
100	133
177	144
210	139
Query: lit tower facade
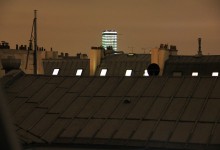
109	38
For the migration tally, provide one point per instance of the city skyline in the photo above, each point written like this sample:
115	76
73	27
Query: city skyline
75	26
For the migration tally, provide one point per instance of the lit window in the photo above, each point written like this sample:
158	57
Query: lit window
215	74
103	72
128	73
146	73
195	74
55	72
79	72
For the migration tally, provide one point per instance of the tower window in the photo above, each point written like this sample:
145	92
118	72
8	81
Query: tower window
103	72
55	72
79	72
215	74
128	73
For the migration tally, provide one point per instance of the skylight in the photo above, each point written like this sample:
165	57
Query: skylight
145	73
128	73
79	72
195	74
55	72
103	72
215	74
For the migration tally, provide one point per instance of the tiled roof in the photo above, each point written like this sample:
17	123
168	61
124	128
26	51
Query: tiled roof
68	67
118	64
146	112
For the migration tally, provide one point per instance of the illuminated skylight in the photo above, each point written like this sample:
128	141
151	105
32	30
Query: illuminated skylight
128	73
195	74
215	74
55	72
103	72
145	73
130	54
79	72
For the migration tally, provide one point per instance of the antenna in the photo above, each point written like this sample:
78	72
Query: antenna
35	41
33	37
199	46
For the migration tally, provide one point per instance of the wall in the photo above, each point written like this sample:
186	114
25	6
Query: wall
22	54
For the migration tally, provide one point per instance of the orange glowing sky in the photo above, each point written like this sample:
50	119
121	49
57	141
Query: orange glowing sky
76	25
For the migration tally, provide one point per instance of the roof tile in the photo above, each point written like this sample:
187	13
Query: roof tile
91	128
57	94
43	92
55	129
202	133
33	118
63	103
34	87
73	129
108	129
163	131
75	107
44	124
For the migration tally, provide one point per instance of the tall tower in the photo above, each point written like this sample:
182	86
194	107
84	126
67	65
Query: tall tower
109	38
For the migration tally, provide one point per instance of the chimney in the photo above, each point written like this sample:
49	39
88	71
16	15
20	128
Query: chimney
173	50
10	63
159	56
66	55
95	59
17	47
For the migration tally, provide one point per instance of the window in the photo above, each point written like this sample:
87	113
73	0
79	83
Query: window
103	72
195	74
215	74
146	73
55	72
128	73
79	72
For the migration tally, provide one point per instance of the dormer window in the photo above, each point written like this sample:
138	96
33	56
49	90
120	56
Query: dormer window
128	73
103	72
55	72
215	74
194	74
146	73
79	72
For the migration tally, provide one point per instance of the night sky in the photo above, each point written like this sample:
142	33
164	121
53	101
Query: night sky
75	25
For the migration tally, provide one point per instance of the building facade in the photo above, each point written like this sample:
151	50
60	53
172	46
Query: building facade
109	38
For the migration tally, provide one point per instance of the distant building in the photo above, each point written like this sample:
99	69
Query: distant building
109	39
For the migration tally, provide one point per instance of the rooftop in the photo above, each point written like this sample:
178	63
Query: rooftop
143	112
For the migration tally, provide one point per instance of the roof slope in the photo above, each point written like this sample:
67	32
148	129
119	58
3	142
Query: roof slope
117	64
67	67
152	112
204	65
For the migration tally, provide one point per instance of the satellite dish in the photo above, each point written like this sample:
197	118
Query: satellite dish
153	69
